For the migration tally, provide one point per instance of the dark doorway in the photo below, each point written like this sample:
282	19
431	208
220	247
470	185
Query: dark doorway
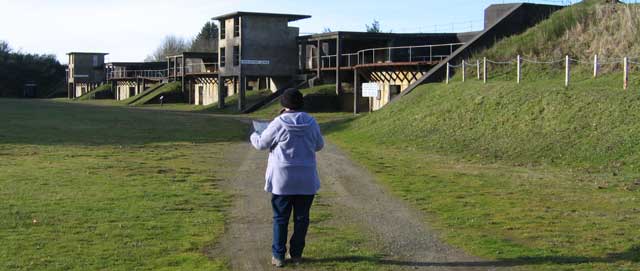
132	91
394	90
201	95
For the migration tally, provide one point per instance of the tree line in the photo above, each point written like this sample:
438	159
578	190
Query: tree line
18	68
205	41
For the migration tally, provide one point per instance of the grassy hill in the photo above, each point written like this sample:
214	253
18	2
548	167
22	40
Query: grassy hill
590	27
536	176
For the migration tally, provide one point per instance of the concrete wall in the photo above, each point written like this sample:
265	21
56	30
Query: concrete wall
261	38
86	68
494	12
209	91
125	87
206	93
400	82
84	88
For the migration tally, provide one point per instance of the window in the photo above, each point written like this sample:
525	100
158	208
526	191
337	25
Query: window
223	56
236	26
95	61
223	29
236	55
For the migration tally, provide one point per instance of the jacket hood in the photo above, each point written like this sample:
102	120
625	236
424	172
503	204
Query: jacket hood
296	121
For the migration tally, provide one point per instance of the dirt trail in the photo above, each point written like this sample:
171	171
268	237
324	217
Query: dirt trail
399	230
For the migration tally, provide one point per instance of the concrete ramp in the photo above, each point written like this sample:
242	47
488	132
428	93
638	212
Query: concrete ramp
145	93
501	21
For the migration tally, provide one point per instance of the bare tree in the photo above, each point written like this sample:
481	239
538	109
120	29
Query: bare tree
171	45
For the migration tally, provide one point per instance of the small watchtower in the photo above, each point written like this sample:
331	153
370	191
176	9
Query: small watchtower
256	45
86	72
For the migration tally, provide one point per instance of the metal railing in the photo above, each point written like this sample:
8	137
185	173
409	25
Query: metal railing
419	53
156	74
197	68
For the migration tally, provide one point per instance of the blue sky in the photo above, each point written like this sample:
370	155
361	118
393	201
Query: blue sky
130	30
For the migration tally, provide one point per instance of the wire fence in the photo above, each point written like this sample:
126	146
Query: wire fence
485	69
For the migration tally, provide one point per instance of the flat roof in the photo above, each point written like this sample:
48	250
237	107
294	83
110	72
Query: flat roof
86	53
194	54
290	17
138	63
373	35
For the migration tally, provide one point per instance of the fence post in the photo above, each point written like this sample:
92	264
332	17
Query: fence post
519	63
448	67
463	70
484	68
567	72
595	66
478	68
410	59
626	73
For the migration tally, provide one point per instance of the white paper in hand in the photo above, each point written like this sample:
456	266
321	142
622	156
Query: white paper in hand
260	126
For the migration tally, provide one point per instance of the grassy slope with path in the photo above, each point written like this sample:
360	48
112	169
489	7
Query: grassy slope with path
87	187
534	175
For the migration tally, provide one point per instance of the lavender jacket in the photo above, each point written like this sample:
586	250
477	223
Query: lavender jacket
293	139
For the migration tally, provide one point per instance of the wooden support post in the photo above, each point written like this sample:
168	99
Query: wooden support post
519	63
221	94
356	84
463	70
448	72
242	92
318	56
175	69
567	72
626	73
338	56
596	66
478	69
484	72
183	70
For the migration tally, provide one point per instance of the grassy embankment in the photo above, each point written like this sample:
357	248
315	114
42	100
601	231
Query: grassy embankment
536	176
97	188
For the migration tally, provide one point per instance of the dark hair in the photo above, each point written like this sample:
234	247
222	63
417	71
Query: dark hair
292	99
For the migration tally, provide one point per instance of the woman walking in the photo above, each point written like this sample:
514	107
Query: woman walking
293	138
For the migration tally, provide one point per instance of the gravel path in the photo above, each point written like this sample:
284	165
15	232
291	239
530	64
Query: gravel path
398	230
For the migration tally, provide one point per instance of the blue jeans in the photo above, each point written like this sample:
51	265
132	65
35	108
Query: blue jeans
282	207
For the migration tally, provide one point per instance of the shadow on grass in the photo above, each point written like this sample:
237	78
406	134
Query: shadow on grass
43	122
631	255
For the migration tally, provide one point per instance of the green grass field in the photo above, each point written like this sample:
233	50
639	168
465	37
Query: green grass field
535	176
98	186
104	188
